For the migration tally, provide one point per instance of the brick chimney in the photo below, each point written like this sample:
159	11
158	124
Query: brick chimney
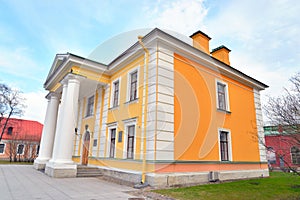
201	41
222	54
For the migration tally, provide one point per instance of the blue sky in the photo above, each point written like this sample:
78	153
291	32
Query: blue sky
263	35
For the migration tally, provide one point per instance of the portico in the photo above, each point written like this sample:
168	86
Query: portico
61	120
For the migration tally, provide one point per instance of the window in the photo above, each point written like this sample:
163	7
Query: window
271	156
130	141
20	149
37	149
295	153
90	106
225	147
116	94
112	142
222	96
133	86
2	148
9	130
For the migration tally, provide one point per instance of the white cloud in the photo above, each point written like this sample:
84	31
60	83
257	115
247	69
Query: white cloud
19	62
36	106
183	16
263	37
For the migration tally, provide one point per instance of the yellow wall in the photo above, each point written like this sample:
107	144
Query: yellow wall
197	119
127	110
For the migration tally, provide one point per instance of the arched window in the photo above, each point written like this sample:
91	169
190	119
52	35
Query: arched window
295	154
9	130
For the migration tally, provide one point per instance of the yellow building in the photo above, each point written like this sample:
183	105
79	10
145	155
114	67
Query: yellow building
165	112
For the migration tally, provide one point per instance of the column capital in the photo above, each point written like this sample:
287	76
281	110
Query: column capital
52	95
71	76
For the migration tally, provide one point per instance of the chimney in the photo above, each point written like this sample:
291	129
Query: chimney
222	54
201	41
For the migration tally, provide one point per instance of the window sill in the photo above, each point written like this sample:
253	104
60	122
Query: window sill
114	108
226	161
132	101
89	116
225	111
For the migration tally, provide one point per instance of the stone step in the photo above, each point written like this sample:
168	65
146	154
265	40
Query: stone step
85	171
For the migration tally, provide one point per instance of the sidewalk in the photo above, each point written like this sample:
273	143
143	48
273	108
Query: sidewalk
24	182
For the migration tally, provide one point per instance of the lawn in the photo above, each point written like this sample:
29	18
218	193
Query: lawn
5	162
279	186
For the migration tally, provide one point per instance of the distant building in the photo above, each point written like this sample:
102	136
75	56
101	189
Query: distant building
21	140
164	111
283	149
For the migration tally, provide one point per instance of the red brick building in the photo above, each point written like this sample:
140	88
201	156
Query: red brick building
20	140
283	150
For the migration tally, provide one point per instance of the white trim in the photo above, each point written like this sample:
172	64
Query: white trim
229	144
112	89
127	123
136	69
3	148
109	128
226	94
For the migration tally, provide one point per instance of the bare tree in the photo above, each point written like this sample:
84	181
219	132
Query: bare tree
283	113
11	103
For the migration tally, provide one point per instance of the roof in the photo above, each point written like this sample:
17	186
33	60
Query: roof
170	37
22	129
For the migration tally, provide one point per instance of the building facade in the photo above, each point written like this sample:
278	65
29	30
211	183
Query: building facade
165	112
283	149
20	140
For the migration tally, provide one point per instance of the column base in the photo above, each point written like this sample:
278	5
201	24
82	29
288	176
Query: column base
61	170
40	164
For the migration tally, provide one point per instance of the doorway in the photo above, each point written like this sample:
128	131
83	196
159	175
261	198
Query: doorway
85	149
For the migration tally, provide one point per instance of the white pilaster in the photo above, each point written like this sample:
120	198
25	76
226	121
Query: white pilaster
61	164
260	129
48	134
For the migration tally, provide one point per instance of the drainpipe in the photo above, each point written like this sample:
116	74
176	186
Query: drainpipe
145	108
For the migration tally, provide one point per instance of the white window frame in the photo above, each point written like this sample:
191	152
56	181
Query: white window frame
3	148
109	127
136	69
112	89
127	123
87	106
229	144
23	150
227	104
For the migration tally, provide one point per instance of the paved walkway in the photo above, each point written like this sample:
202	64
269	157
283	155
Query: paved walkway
24	182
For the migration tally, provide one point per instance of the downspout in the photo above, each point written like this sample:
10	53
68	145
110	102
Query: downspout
145	107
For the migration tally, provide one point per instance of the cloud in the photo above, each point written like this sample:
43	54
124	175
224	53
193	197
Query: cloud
19	62
263	36
36	106
185	17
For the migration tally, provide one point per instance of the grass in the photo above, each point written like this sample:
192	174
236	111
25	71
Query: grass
279	186
6	162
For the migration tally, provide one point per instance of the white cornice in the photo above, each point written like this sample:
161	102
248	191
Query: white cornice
156	38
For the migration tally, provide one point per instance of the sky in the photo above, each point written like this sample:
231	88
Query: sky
263	36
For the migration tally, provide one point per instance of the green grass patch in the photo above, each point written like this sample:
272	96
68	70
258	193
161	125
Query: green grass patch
279	186
6	162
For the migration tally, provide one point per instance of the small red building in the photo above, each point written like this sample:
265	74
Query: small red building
21	139
283	149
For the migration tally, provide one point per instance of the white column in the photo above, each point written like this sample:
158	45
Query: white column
46	145
61	164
